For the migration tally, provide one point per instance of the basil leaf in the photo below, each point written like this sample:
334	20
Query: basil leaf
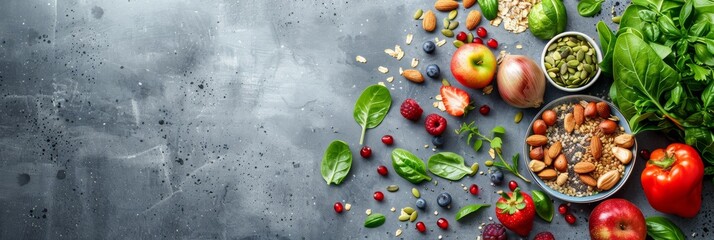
607	44
448	165
371	107
661	50
374	220
496	143
588	8
666	25
409	166
685	12
466	210
647	16
544	207
499	130
660	228
477	144
336	162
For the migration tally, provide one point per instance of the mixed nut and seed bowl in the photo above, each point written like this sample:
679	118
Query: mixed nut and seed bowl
580	149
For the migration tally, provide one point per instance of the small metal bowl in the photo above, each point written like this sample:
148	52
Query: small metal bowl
593	44
595	197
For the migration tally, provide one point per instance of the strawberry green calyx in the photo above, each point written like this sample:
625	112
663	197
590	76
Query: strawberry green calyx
512	203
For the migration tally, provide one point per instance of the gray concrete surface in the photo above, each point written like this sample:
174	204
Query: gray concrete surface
208	120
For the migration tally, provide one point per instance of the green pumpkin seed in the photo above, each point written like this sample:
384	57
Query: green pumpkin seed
453	25
446	23
408	210
516	119
580	55
590	52
563	69
573	63
559	64
554	70
550	60
588	60
447	33
404	217
556	56
458	43
580	67
547	65
418	13
584	48
565	76
570	58
392	188
583	74
551	74
570	44
413	216
588	68
489	162
452	14
552	47
474	168
415	192
470	37
571	71
573	86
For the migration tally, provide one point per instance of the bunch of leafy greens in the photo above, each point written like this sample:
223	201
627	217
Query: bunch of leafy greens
496	142
662	61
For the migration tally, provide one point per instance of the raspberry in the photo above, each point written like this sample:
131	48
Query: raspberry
435	124
494	231
410	109
544	236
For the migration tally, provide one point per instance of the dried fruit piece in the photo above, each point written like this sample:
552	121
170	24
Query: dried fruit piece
473	19
603	109
591	110
555	149
622	154
578	114
446	5
625	140
583	167
429	21
536	166
608	180
536	153
561	163
596	147
588	180
413	75
608	126
548	174
562	178
537	140
469	3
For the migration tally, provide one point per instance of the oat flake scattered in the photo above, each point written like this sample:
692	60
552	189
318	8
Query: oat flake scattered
399	232
360	59
390	79
348	206
415	62
519	46
368	212
381	83
514	14
393	209
401	71
382	69
390	52
492	153
441	42
409	38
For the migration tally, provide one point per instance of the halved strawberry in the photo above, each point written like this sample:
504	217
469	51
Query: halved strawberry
456	101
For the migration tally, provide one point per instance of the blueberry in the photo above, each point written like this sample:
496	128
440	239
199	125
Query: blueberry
496	176
421	203
433	71
437	141
428	47
443	200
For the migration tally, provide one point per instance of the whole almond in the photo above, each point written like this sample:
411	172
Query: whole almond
547	174
413	75
536	153
473	19
591	110
588	180
608	180
569	123
578	114
537	140
562	179
625	140
536	166
583	167
561	163
469	3
596	147
446	5
608	126
429	21
622	154
555	149
603	110
547	160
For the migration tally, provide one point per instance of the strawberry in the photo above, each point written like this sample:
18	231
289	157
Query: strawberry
516	211
456	101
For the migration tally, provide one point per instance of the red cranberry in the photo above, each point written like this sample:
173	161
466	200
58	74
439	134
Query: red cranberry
570	218
379	196
492	43
473	189
484	110
388	140
645	154
563	208
338	207
442	223
461	36
481	32
366	152
382	170
512	185
421	227
478	40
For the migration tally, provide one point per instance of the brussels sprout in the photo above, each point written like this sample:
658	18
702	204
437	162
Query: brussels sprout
547	19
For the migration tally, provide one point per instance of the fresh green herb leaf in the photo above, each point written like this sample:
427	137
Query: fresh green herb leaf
371	107
544	207
336	162
466	210
448	165
607	44
477	144
498	130
374	220
660	228
496	143
588	8
409	166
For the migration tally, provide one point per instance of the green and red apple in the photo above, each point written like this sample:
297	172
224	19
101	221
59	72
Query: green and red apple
473	65
617	219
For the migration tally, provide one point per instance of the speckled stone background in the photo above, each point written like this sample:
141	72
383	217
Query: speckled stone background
177	119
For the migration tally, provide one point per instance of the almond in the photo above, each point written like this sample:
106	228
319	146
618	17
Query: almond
547	174
537	140
596	147
561	163
446	5
536	166
591	110
622	154
583	167
578	114
569	122
555	149
413	75
603	110
608	180
625	140
588	180
562	179
608	126
537	153
547	160
469	3
429	21
473	19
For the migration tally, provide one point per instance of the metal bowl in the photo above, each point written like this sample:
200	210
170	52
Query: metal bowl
595	197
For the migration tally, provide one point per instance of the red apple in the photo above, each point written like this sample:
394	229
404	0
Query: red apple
617	219
473	65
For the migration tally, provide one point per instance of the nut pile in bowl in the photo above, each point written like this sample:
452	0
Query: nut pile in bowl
577	148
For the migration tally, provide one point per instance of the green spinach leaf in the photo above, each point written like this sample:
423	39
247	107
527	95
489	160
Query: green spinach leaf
607	44
588	8
466	210
409	166
336	162
374	220
448	165
660	228
371	107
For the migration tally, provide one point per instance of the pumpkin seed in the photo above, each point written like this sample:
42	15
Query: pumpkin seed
452	14
580	55
550	60
392	188
458	43
563	69
573	63
446	22
415	192
551	74
489	163
583	74
470	37
571	71
453	25
408	210
554	69
588	68
474	168
580	67
588	60
516	119
447	33
413	216
418	13
570	44
556	56
547	66
552	47
570	58
404	217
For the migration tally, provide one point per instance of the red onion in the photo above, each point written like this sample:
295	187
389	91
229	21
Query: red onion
521	82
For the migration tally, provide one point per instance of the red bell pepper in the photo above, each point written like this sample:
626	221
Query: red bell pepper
672	180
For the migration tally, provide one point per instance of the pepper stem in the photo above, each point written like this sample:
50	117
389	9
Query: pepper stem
665	163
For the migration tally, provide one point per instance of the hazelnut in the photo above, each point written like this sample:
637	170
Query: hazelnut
539	127
537	153
608	126
561	164
591	110
603	110
549	117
